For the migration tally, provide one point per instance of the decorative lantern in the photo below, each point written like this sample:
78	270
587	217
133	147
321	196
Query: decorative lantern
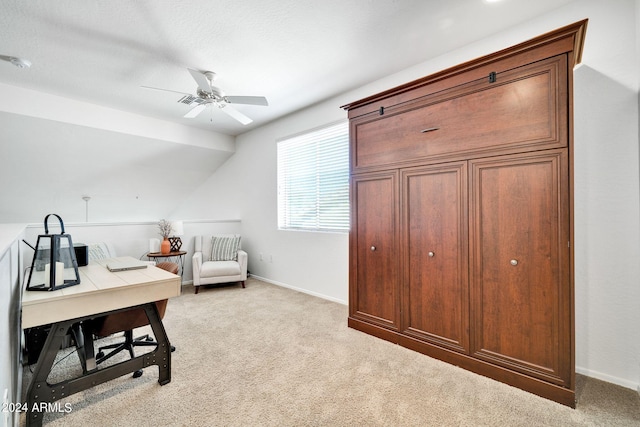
54	263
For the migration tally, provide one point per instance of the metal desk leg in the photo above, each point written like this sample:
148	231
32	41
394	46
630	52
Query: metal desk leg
162	355
38	393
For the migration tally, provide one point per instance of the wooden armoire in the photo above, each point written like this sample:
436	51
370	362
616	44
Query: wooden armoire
461	242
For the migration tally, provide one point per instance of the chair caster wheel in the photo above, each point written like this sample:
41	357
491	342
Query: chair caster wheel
100	355
137	374
173	348
149	338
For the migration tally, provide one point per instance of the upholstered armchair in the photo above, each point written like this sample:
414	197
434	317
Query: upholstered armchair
218	259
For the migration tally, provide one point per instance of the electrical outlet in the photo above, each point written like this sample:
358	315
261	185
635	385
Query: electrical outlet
261	257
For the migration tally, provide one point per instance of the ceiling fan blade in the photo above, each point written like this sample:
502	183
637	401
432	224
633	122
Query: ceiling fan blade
165	90
235	114
201	80
249	100
195	111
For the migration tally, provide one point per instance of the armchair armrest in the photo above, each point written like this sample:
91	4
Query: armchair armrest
242	260
196	262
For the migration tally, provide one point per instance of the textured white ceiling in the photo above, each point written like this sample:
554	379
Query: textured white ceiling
294	52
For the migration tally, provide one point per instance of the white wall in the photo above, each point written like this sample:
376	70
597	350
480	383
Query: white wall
10	377
607	201
54	151
607	234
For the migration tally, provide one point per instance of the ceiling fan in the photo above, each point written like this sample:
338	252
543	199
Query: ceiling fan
208	94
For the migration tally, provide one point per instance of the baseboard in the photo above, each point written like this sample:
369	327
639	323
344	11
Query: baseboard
608	378
304	291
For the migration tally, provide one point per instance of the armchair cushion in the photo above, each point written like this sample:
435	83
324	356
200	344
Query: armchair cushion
220	268
224	248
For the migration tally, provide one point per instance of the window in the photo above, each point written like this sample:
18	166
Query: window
313	180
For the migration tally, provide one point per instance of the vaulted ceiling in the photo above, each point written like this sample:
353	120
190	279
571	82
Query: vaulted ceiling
294	52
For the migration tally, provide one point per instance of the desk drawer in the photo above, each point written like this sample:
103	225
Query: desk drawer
524	109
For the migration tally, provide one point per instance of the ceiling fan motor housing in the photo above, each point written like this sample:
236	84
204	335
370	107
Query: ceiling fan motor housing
216	94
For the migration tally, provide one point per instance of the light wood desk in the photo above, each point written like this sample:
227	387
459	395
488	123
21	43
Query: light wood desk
100	292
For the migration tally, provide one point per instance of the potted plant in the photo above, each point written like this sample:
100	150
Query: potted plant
165	231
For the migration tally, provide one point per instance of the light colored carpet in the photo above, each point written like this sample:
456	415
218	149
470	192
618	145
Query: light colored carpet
270	356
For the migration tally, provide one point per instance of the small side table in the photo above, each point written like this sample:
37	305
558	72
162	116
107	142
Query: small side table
177	257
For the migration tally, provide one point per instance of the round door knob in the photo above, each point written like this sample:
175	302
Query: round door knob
431	254
373	248
514	262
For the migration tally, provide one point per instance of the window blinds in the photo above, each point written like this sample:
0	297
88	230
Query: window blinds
313	180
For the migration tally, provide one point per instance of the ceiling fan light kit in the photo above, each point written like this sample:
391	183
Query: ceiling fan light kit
18	62
207	93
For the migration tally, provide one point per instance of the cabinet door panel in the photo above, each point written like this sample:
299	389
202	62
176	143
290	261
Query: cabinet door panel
521	111
520	264
374	289
436	290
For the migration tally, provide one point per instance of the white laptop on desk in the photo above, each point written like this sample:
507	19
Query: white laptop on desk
126	265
